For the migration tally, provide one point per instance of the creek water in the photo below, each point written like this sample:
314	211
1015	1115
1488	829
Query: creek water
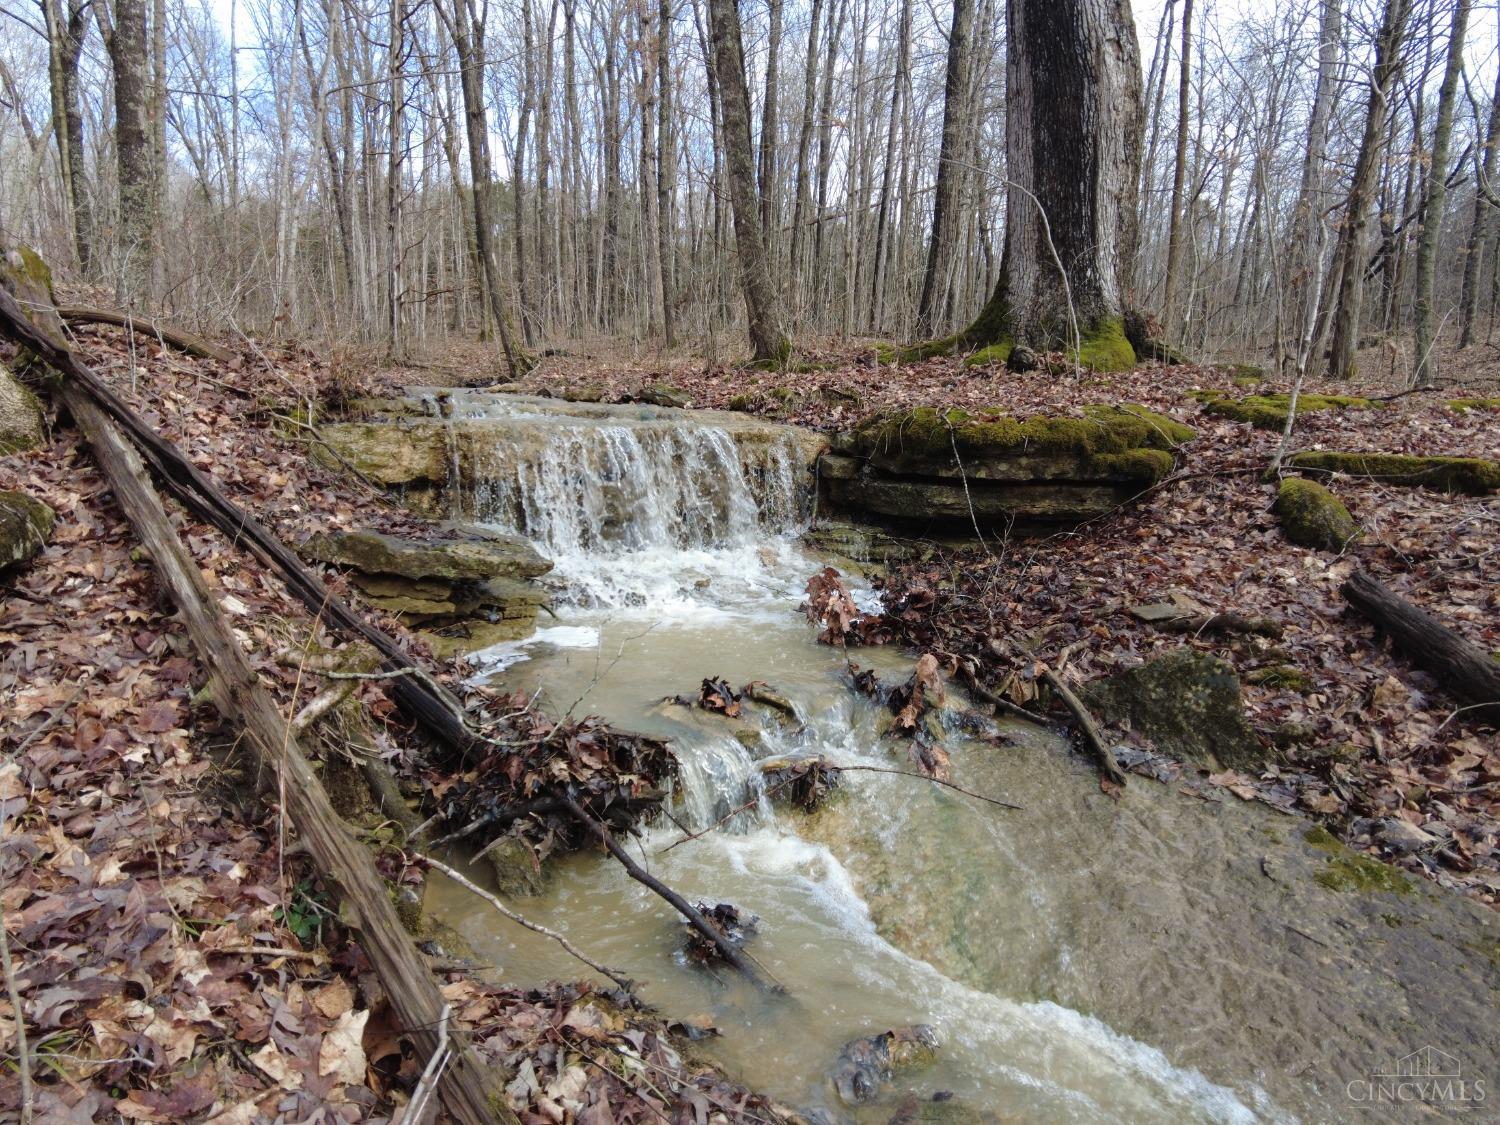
678	557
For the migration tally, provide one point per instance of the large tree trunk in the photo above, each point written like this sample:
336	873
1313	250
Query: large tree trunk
1176	220
767	337
1073	139
1424	358
1480	226
945	217
64	48
130	58
1350	262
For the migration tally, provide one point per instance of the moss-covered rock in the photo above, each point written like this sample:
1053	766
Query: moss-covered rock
664	394
21	425
1281	677
1269	412
1472	475
1187	702
956	467
25	526
1311	516
1463	405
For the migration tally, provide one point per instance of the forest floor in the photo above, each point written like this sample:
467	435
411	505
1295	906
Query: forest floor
175	960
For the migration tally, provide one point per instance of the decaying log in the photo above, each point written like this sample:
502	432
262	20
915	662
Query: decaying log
148	327
1087	728
1464	669
468	1090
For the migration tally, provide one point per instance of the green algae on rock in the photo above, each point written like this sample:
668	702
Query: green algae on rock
1472	475
1311	516
1347	870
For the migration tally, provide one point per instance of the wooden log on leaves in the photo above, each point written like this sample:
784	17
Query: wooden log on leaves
148	327
417	694
469	1091
1464	669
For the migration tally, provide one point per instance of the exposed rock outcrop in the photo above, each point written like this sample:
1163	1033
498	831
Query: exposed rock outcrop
1187	702
1475	476
461	590
957	468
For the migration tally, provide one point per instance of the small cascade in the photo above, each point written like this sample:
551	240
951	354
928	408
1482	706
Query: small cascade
616	488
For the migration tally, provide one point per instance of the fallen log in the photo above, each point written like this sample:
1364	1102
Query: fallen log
1464	669
418	695
468	1090
148	327
1087	728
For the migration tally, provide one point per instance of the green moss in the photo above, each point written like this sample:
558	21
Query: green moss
742	403
994	354
928	349
1311	516
885	354
1284	677
1103	430
1472	475
1246	374
1268	412
1145	465
1105	348
1464	404
1345	870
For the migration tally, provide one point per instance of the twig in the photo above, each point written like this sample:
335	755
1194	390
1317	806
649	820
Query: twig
985	695
23	1049
694	917
924	777
731	814
53	719
613	974
416	1112
1087	727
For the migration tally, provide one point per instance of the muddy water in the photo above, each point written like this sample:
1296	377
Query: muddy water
1159	959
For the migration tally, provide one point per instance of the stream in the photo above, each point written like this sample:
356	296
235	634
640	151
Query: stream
1079	959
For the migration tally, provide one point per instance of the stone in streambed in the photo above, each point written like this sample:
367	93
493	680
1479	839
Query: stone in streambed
1187	702
865	1066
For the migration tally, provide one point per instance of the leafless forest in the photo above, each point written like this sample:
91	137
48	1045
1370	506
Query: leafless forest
1313	177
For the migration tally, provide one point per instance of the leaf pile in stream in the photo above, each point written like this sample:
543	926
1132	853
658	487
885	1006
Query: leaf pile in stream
176	959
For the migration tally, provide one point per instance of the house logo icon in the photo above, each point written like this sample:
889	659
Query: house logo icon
1425	1076
1428	1062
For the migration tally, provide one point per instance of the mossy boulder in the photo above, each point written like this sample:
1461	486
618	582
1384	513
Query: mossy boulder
455	557
21	425
1472	475
25	526
1311	516
1187	702
386	453
1464	405
1269	412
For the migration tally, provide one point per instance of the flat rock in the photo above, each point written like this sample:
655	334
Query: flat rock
386	453
25	525
1187	702
372	552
